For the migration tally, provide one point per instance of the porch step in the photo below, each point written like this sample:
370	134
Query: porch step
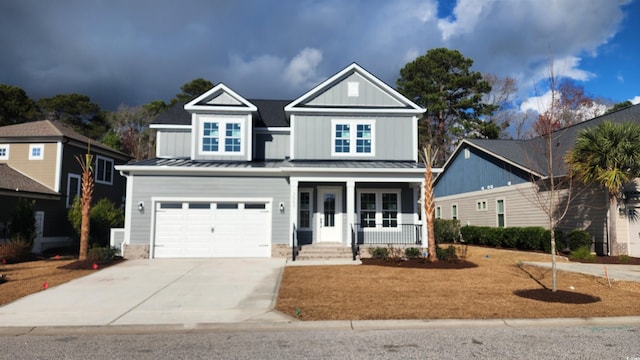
324	252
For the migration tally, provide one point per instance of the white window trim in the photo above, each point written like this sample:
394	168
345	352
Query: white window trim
36	146
379	210
6	152
79	190
352	137
457	216
98	170
310	191
222	126
479	204
438	212
504	212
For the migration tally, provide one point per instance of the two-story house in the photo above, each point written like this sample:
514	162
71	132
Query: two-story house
38	162
246	178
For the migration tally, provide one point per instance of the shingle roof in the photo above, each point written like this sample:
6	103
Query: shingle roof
48	129
530	154
14	181
270	114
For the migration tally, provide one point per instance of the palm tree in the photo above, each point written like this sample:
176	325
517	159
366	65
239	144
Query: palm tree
608	155
87	195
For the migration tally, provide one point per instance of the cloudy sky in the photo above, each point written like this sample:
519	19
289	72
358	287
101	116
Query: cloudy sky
135	51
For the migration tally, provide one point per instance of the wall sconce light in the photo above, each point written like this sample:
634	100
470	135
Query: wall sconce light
281	207
141	206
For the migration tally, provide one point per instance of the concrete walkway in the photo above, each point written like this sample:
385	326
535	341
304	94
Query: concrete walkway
159	291
616	272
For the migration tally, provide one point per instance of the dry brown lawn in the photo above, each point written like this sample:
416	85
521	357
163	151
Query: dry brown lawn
29	277
367	292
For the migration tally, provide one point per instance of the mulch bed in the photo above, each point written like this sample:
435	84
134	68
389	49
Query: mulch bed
419	263
89	265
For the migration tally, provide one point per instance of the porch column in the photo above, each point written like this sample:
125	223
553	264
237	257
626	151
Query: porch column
351	208
293	207
425	242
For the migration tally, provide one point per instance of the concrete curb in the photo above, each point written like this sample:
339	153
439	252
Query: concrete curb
294	325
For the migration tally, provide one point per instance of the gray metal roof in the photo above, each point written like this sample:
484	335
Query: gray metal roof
355	164
531	154
270	114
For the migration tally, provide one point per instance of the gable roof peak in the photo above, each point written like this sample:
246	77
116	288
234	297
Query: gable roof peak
220	98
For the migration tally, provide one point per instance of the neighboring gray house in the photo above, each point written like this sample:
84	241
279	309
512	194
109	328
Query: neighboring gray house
246	178
488	183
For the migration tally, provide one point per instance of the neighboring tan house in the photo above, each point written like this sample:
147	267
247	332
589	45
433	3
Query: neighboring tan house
38	161
488	183
249	178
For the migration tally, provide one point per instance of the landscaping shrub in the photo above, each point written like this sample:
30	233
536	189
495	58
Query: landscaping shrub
16	250
446	231
412	253
582	253
104	215
510	237
470	234
531	238
578	238
546	242
101	254
447	254
379	253
23	222
624	259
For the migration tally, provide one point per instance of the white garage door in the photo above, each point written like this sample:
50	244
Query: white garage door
216	229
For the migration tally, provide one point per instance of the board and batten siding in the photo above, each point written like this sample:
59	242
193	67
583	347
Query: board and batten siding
271	146
368	94
144	188
472	171
393	137
173	143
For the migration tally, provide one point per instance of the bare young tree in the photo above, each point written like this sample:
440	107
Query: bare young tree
502	97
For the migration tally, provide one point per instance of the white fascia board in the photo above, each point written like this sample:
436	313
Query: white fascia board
362	170
365	74
59	157
163	169
356	179
170	126
192	105
357	111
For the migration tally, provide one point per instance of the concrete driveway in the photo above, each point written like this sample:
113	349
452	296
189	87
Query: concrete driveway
158	291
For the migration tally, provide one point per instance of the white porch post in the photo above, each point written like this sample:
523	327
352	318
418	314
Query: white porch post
351	208
425	242
293	207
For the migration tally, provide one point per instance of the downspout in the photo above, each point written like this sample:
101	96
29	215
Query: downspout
127	211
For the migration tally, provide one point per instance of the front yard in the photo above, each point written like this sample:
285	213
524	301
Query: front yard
497	288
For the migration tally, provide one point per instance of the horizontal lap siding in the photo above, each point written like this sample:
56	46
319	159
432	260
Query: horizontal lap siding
146	187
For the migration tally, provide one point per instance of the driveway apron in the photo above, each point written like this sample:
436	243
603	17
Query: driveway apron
157	291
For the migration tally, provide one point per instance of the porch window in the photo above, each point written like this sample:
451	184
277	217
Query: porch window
352	138
378	209
368	210
304	210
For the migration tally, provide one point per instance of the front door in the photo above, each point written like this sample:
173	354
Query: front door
330	219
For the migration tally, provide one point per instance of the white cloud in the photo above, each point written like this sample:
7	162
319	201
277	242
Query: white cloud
538	104
467	15
635	100
301	71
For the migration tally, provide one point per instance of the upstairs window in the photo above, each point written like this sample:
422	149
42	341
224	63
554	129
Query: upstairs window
36	152
74	182
352	138
221	137
104	170
4	152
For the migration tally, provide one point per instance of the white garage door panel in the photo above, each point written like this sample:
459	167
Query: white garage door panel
228	231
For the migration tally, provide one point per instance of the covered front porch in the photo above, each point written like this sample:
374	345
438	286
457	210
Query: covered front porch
347	209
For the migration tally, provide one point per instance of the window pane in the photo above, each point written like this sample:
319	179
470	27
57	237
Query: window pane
342	138
210	137
389	210
367	210
232	137
363	138
304	214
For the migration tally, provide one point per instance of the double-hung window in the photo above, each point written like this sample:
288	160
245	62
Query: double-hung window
223	136
378	208
304	210
104	170
36	152
353	138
